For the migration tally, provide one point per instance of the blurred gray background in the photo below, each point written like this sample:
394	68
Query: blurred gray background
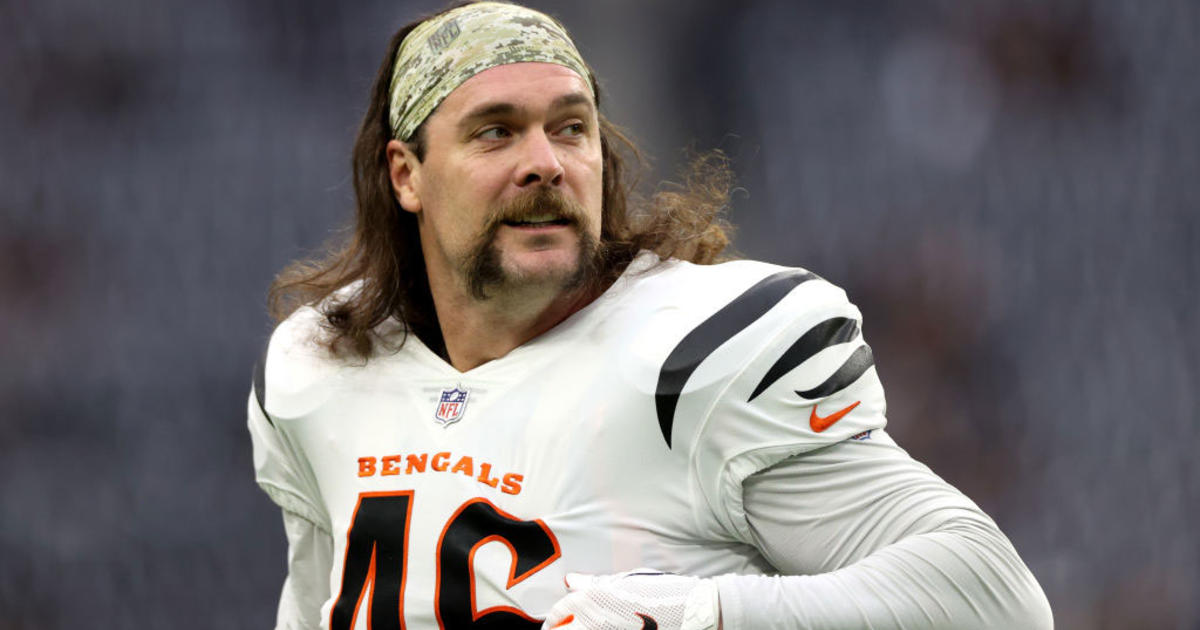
1008	190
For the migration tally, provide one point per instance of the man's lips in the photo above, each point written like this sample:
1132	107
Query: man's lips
538	222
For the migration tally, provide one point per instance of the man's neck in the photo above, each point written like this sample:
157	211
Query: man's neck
477	331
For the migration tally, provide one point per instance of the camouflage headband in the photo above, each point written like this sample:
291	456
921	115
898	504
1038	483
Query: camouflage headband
443	52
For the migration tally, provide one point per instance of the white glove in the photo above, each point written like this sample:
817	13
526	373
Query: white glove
642	599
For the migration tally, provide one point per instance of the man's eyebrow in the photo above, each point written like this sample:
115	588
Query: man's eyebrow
570	100
490	110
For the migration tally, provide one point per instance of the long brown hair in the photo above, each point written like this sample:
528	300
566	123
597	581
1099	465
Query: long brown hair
383	255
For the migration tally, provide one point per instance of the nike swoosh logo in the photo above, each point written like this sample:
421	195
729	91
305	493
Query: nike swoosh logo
648	622
819	424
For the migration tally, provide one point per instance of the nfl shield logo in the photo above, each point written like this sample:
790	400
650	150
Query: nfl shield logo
451	406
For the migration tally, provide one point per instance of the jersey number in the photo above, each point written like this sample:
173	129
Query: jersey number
376	548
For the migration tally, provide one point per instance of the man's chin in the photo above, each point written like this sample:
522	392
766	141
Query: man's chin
549	266
552	264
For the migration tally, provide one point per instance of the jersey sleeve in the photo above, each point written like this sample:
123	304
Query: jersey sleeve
287	383
310	561
282	390
873	538
278	471
782	416
799	378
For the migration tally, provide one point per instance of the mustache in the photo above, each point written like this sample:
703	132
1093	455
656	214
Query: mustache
537	203
484	267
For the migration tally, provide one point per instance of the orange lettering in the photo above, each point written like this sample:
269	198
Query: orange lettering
485	471
512	483
390	466
366	466
417	463
465	465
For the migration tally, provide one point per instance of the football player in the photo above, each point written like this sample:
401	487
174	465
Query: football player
513	401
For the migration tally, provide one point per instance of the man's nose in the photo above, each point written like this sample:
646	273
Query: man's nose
539	162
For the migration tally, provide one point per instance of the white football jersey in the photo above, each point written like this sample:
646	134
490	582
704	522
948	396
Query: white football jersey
618	439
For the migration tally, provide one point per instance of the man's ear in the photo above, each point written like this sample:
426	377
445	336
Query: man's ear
404	169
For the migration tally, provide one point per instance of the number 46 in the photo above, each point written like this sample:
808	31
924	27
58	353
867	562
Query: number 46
375	556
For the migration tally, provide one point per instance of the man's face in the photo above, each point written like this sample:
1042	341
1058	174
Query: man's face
509	193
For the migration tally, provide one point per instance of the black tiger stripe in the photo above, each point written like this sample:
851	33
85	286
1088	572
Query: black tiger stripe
260	383
714	331
828	333
859	362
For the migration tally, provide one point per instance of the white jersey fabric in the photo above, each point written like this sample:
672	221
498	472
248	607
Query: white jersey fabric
703	420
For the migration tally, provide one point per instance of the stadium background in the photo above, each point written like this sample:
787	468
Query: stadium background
1009	190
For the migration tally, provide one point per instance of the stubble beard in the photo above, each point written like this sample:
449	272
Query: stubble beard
484	263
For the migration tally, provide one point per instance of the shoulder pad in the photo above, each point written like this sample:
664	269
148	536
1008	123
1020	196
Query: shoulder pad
719	329
780	369
294	373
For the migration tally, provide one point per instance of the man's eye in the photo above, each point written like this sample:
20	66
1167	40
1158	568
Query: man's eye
493	133
573	129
